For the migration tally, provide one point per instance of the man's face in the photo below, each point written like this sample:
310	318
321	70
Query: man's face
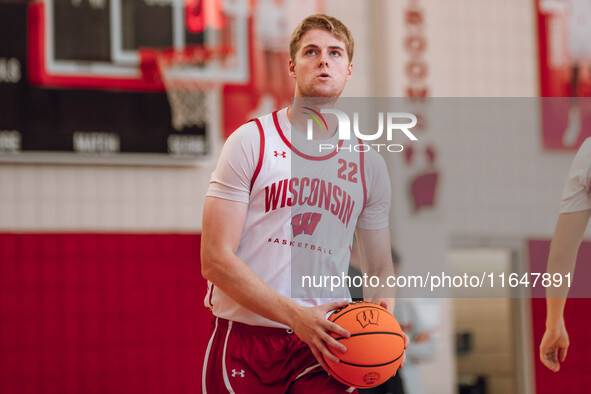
321	66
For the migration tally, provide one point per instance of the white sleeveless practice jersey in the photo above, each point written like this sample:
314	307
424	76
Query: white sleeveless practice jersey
303	207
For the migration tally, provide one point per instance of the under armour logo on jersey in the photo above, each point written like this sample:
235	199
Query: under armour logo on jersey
367	317
238	373
281	154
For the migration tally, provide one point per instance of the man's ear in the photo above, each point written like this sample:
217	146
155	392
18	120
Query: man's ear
349	71
292	67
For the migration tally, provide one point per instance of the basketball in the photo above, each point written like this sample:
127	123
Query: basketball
374	349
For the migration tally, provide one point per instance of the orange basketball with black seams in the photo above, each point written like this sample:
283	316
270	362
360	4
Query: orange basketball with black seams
374	350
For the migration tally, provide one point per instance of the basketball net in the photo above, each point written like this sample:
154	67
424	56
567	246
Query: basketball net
189	95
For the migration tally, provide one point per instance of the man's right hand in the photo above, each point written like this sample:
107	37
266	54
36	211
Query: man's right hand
554	346
311	326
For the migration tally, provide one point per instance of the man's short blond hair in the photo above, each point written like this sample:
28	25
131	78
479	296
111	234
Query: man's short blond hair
326	23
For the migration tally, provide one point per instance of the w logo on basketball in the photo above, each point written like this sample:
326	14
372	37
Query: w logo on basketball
305	223
368	317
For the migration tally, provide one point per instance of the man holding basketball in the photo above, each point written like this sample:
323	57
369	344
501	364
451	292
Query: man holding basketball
263	341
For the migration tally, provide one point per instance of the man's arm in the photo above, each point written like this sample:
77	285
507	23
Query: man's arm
562	258
223	223
376	259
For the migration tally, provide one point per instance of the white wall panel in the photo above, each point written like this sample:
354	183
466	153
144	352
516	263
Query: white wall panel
102	198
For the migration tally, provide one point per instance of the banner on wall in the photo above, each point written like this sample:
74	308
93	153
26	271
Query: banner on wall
420	161
564	36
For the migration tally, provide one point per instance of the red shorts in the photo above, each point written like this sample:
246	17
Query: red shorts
251	359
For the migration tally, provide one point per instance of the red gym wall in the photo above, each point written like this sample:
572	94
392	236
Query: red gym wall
101	313
574	377
123	313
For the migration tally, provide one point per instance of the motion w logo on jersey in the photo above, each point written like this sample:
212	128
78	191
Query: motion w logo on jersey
305	223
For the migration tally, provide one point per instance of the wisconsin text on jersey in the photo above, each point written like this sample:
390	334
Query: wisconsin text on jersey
312	192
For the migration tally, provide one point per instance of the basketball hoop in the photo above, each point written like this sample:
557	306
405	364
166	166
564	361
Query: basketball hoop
193	68
188	92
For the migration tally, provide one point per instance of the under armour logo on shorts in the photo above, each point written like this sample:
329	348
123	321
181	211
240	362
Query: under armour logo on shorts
282	154
237	373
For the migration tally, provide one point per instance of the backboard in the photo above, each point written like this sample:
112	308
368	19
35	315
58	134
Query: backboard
97	43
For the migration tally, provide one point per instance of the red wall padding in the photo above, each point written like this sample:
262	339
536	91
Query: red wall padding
574	377
101	313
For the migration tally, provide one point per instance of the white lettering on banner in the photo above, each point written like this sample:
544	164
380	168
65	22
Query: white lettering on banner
10	141
95	4
160	3
94	142
10	70
186	144
556	45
